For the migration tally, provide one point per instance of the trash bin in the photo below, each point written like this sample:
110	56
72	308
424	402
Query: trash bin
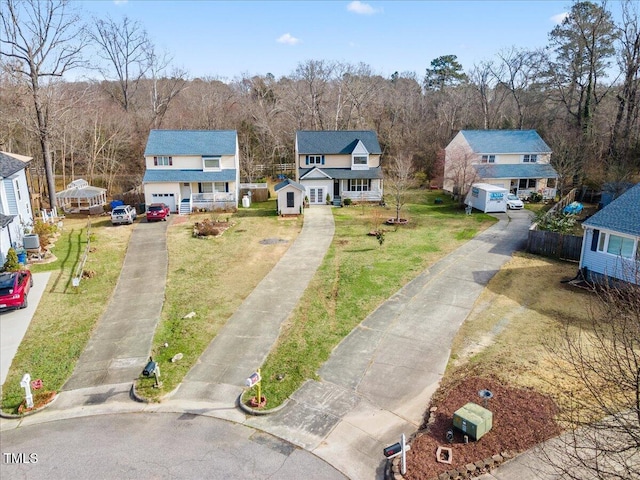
22	257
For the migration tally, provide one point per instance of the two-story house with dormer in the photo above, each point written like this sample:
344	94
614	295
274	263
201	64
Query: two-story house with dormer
16	213
518	160
192	169
334	165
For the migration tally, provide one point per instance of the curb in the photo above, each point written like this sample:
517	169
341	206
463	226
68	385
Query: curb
253	411
14	416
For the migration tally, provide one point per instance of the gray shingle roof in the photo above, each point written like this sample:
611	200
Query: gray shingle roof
345	173
333	142
621	215
286	182
10	165
191	142
505	141
172	176
516	170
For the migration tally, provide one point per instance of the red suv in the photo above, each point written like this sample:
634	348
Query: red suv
14	288
157	211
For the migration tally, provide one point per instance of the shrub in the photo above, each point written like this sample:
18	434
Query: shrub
347	202
45	231
535	197
559	222
11	264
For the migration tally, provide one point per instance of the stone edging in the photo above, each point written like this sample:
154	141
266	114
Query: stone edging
467	471
255	411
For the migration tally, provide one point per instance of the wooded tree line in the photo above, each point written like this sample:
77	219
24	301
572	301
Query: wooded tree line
581	93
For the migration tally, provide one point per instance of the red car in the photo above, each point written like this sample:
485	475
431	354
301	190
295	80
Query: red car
14	288
157	211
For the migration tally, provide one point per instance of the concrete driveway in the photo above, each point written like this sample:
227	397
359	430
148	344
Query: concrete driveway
14	324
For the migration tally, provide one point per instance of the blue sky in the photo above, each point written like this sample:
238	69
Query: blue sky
226	39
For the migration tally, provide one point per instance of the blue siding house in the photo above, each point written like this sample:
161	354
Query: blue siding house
610	246
15	202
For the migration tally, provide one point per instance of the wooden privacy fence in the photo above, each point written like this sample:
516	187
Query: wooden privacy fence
553	244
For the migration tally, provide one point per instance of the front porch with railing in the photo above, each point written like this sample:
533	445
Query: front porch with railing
207	202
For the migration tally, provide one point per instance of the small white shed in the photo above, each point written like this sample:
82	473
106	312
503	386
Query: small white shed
290	197
487	198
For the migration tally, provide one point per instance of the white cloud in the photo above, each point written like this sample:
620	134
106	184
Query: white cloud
288	39
559	18
361	8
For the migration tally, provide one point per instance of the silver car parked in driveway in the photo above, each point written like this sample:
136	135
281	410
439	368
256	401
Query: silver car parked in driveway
123	214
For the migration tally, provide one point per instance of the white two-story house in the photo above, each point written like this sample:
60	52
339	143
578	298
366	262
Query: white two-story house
518	160
16	213
192	169
334	165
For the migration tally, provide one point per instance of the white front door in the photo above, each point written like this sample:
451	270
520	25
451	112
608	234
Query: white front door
316	195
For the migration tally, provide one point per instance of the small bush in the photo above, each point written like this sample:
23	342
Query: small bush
45	231
11	264
535	197
347	202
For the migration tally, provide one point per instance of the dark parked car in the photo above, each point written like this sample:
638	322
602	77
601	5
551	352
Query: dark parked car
157	211
14	288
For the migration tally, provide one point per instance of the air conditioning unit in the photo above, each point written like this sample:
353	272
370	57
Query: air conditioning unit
473	420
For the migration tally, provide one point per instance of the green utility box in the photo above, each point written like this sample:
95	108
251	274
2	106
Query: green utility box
473	420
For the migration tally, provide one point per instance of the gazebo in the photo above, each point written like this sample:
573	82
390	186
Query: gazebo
80	196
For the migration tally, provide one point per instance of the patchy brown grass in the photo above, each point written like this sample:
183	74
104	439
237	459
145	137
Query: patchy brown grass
503	347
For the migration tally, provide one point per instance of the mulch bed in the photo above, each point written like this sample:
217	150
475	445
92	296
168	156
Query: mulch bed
521	419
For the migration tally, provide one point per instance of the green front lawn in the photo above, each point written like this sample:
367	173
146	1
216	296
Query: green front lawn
206	277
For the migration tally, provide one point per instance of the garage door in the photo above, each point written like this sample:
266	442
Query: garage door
316	195
168	198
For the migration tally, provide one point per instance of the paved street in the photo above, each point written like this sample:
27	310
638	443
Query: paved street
144	446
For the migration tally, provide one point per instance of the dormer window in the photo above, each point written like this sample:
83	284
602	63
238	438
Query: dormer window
360	160
529	158
211	163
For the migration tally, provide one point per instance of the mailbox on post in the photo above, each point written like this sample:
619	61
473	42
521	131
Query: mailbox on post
149	369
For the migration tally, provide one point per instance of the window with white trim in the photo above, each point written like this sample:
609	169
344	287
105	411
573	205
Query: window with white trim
616	245
359	185
488	159
361	160
530	158
211	163
315	159
162	161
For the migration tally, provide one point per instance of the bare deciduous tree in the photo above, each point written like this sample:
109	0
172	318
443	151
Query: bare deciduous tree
602	415
128	51
398	180
42	40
